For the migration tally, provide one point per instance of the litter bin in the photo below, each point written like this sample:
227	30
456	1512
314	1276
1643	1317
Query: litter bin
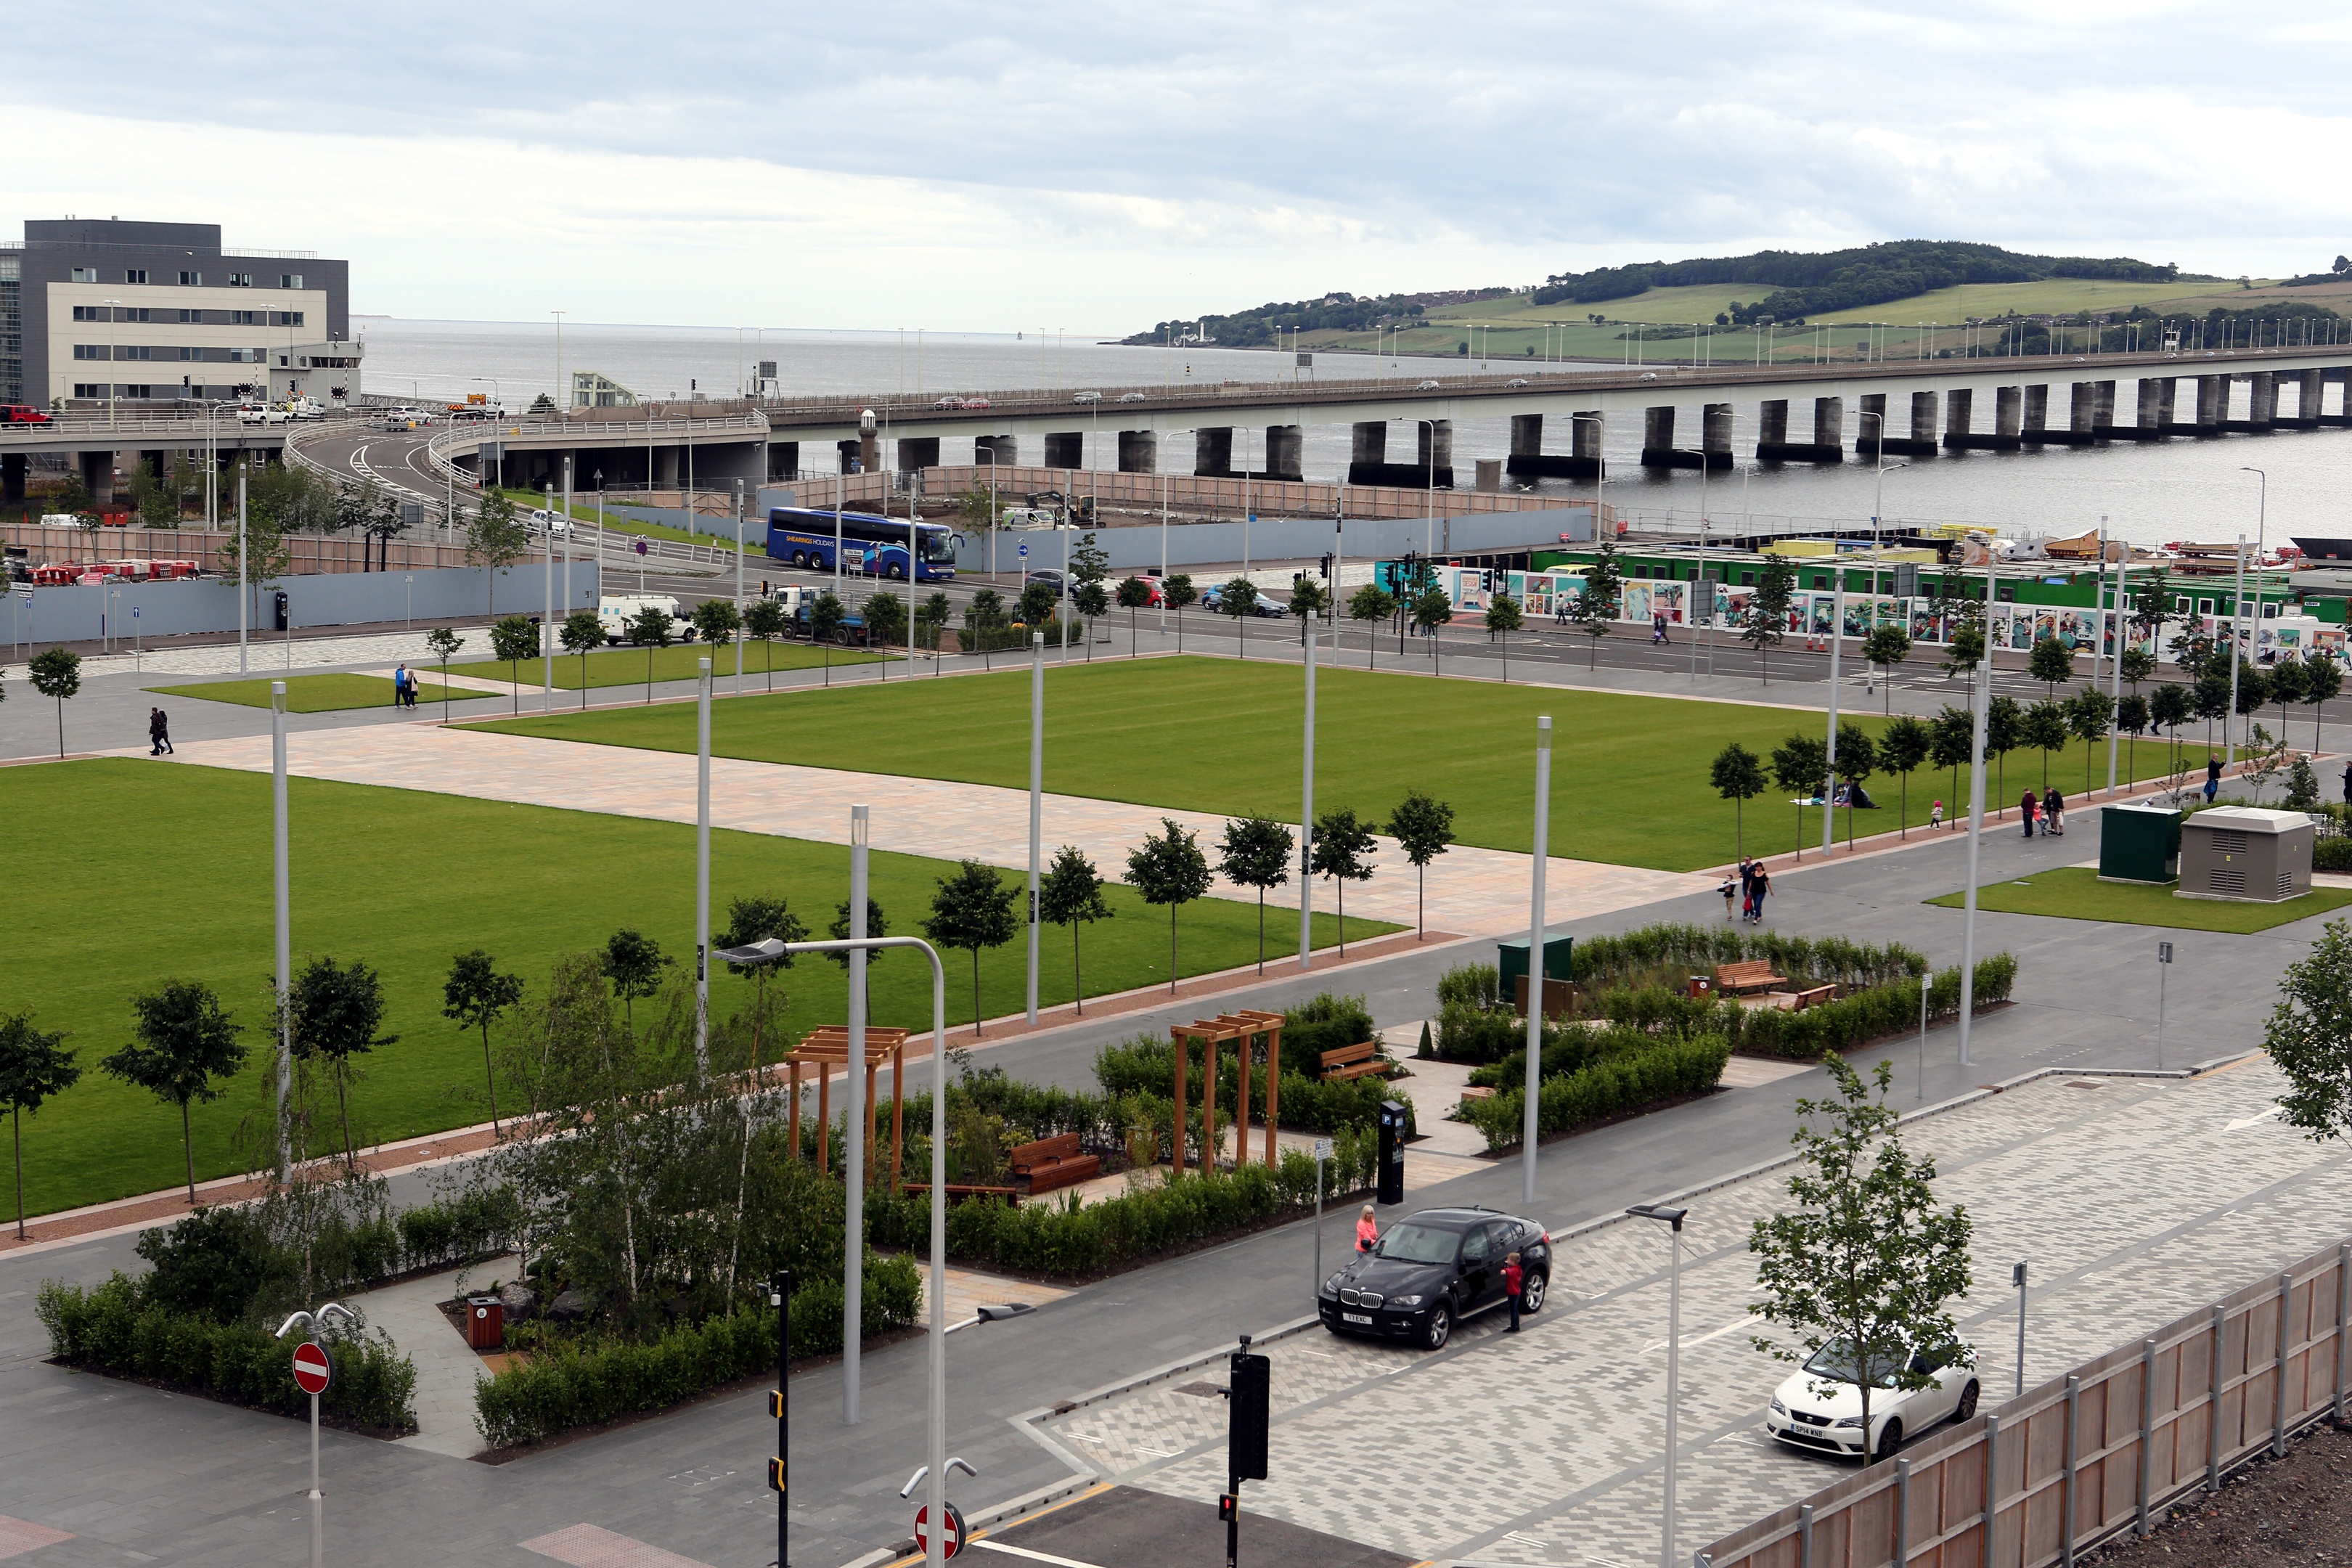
2140	844
485	1322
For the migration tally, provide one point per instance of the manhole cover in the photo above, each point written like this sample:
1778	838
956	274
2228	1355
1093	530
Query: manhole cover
2081	1083
1205	1390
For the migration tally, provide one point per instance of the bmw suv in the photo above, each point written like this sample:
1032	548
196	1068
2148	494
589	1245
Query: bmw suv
1433	1269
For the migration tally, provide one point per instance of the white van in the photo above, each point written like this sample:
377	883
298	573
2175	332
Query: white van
615	611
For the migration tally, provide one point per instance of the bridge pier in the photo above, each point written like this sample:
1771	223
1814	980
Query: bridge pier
12	468
2034	431
1436	450
1714	435
2212	407
1212	452
1065	449
98	477
1871	434
1923	424
1368	463
917	452
989	450
1285	452
2103	409
784	460
2343	414
2149	414
2262	404
1138	451
2309	390
1771	428
1658	437
1828	445
1958	411
1528	459
2008	417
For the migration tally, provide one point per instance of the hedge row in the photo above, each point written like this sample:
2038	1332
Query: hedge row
115	1328
1603	1090
1865	1015
1601	960
566	1382
2332	853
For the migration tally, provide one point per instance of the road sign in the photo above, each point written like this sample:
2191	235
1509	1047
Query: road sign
314	1369
134	612
951	1542
2164	952
1322	1148
1025	552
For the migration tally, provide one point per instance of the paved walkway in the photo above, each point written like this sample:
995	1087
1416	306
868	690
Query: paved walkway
2134	1201
447	1370
1471	890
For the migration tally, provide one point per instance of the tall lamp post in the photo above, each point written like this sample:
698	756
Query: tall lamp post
1672	1219
110	351
2238	604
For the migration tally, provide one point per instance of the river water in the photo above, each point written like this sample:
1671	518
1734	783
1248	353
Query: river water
2181	489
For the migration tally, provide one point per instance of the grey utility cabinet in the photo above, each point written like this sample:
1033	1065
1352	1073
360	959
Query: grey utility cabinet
2245	852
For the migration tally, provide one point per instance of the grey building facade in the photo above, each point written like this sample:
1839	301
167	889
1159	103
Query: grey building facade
92	309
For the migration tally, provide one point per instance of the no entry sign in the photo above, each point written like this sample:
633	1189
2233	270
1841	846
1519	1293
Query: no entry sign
314	1369
950	1543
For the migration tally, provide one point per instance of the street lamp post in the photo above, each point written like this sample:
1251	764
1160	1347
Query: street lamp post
281	892
1307	807
1983	678
702	871
1536	928
1036	804
110	351
2237	605
547	618
1672	1219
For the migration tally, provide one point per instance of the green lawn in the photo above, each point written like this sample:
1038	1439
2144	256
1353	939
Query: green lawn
405	880
311	693
620	518
626	665
1629	774
2075	893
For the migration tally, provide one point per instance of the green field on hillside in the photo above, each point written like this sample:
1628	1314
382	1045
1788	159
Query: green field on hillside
1629	774
403	881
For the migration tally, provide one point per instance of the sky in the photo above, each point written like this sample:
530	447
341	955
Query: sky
1101	166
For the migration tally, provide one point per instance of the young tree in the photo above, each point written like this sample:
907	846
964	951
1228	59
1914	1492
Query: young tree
1092	601
763	623
1134	594
649	629
1238	598
2088	714
1966	651
442	642
335	1010
1888	646
1503	618
983	620
1370	604
1857	759
1738	778
1605	592
716	622
2253	688
1255	853
2045	728
581	632
1070	894
1089	562
2168	707
634	964
885	621
1179	592
475	996
1951	745
2132	719
758	919
34	1066
1431	610
935	610
1169	869
876	925
2151	608
1038	603
1802	763
1307	603
1902	746
2309	1037
1766	620
513	640
972	909
826	618
1341	850
1422	827
1864	1262
2050	662
185	1041
2322	679
57	673
2286	684
2004	733
2138	665
495	539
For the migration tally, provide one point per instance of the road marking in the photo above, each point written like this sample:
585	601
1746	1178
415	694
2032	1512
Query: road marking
2245	1121
1717	1334
986	1545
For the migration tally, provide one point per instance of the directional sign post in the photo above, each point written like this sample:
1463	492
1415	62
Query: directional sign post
950	1540
314	1374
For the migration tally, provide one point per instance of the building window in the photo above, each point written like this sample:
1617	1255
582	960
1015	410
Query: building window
137	389
191	353
89	312
285	318
91	351
1747	578
289	280
2007	594
192	316
134	350
244	356
85	274
134	275
297	318
245	318
135	313
191	280
89	389
240	280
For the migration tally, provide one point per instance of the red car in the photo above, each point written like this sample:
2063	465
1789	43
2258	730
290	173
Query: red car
21	414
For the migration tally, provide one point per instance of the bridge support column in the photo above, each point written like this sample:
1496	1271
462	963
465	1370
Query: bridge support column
1714	435
1065	449
1829	429
784	460
1527	436
1138	451
996	450
2213	403
1435	465
12	467
98	477
1958	411
1771	427
1212	452
2103	409
1870	425
2343	414
2311	387
2008	411
2262	403
917	452
2036	425
1367	451
1923	423
1285	452
1658	437
2149	414
1528	459
664	467
1585	430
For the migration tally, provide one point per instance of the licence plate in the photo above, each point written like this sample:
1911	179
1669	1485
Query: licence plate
1356	1318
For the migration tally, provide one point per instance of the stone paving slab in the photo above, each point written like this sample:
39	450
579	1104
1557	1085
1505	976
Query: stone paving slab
1471	890
2134	1201
447	1368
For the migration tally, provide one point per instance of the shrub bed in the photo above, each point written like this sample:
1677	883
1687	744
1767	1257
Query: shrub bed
1866	1016
1666	1070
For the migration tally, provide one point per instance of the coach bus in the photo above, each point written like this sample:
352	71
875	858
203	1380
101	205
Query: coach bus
875	546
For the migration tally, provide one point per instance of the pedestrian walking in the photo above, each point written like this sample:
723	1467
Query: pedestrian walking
1368	1230
1757	894
2347	784
1748	870
159	733
1732	884
1936	816
1514	1279
400	686
2212	777
1658	628
2054	814
2027	809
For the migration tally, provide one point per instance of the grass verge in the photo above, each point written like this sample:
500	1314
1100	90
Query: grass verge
627	665
2075	893
313	693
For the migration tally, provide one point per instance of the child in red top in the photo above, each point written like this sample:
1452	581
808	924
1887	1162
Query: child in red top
1514	1279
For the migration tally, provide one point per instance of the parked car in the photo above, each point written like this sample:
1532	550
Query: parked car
1516	380
1430	387
1086	397
1133	397
1819	1406
1433	1269
1051	579
252	416
21	414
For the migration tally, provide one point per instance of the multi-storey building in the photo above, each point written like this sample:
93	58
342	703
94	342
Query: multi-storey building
92	312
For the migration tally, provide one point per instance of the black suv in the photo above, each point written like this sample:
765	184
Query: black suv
1431	1270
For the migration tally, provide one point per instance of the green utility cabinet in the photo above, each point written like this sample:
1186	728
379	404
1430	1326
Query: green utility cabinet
2140	844
1558	966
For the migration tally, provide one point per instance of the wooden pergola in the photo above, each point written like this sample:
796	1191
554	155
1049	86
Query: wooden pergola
1243	1027
822	1049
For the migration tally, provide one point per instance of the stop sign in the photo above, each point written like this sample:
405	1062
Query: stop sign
314	1369
951	1542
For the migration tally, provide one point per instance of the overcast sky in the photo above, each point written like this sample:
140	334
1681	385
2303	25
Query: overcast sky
1100	166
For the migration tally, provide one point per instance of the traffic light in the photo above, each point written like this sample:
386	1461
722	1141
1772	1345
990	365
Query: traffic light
1251	1385
281	610
775	1475
1326	568
775	1404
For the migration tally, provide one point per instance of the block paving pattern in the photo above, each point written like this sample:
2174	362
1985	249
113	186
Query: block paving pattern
2133	1201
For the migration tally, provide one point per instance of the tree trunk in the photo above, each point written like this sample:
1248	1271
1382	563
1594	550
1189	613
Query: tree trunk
1420	903
514	694
1172	950
490	1075
975	992
188	1148
1077	974
1261	931
1342	883
17	1120
343	1108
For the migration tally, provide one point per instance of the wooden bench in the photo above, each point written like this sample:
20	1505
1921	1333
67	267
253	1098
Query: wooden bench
1354	1061
1752	974
958	1191
1816	996
1052	1163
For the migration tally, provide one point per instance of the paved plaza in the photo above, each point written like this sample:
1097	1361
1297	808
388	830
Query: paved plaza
2134	1201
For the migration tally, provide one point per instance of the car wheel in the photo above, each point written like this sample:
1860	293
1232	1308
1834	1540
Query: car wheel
1531	1295
1441	1325
1890	1438
1967	1405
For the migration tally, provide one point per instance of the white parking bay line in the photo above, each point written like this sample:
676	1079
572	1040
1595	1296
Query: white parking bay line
1717	1334
987	1545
